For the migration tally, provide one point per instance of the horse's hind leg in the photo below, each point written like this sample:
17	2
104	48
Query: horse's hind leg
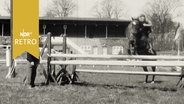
153	78
154	67
146	70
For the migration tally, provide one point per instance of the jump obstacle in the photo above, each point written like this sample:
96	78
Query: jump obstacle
12	64
116	60
103	60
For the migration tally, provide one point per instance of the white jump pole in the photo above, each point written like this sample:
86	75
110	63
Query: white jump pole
8	61
8	56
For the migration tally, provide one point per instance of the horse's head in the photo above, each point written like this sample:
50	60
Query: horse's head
135	26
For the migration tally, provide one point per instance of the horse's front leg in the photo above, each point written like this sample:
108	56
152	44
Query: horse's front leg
153	78
131	47
146	70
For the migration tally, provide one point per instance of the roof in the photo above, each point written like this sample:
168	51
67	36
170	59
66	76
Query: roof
84	19
5	17
73	19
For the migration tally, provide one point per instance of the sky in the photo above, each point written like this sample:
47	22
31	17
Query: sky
85	7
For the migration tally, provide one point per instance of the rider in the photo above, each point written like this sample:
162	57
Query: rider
144	21
146	25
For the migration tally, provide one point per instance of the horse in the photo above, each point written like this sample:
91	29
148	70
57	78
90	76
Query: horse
139	44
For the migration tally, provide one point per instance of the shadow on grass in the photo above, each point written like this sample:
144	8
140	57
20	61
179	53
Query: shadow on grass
156	82
106	86
126	87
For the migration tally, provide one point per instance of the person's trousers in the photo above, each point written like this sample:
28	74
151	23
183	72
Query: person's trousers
31	73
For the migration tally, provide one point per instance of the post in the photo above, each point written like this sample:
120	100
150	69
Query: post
8	56
106	31
44	46
2	30
64	51
64	39
44	27
49	58
11	73
74	73
85	31
9	64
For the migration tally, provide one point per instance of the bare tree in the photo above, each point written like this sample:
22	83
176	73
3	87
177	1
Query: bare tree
61	8
49	14
161	12
7	6
109	9
119	9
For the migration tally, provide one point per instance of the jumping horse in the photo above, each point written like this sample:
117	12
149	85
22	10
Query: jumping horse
139	44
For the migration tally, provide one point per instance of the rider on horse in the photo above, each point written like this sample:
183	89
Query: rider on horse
142	19
138	32
145	24
145	28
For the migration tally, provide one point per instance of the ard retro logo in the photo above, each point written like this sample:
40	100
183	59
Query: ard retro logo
25	40
25	27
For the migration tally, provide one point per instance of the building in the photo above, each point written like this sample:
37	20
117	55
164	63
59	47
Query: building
94	36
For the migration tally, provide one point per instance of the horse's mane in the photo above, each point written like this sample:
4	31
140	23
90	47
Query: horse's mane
127	31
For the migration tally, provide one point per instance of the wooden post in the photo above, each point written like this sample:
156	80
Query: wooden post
74	73
10	63
44	46
2	30
64	45
49	58
41	54
64	51
44	27
106	31
64	39
8	56
11	68
85	31
74	76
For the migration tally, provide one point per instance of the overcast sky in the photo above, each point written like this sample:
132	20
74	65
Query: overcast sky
85	7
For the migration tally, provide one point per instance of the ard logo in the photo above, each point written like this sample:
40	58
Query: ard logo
25	34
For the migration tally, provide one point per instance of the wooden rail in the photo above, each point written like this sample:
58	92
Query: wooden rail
157	57
121	63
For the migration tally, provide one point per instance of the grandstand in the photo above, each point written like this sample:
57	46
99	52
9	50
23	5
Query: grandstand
94	36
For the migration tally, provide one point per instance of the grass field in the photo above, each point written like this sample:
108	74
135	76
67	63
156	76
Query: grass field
92	89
